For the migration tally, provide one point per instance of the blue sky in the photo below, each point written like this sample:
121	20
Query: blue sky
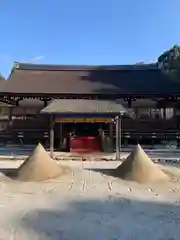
86	31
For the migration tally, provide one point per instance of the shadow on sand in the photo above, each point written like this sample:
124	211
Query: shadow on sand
111	172
115	218
166	167
9	172
105	171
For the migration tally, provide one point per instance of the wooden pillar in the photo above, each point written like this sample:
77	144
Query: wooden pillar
51	136
120	136
177	140
111	137
164	113
130	103
111	130
125	142
117	138
10	116
177	143
177	117
152	143
61	135
174	112
45	103
24	113
136	110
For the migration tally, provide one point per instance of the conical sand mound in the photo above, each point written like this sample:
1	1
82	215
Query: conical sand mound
39	167
140	168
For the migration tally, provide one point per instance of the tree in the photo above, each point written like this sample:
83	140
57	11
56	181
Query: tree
169	62
1	77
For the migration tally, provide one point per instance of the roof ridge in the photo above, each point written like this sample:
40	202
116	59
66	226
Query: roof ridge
55	67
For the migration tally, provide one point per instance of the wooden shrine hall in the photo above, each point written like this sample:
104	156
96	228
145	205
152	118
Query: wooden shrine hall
91	112
74	108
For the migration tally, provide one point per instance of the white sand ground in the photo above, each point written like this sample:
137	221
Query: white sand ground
89	205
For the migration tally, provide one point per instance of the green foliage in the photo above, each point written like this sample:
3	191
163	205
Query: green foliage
169	62
1	77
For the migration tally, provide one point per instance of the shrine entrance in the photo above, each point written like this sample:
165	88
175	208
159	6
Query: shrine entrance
83	134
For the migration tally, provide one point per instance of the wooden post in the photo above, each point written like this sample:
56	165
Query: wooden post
24	112
51	136
45	103
111	130
111	138
177	117
130	103
117	138
164	113
61	135
177	142
120	136
10	116
125	142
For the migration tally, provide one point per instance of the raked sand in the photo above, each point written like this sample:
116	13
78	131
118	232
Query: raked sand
89	205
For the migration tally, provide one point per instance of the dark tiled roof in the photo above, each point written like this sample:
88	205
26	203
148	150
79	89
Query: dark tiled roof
83	106
3	82
52	79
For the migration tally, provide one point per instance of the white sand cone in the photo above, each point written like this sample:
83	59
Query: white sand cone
140	168
39	167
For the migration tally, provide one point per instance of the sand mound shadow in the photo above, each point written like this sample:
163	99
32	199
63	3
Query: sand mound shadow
8	172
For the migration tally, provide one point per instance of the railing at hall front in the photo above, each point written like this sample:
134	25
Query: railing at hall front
147	126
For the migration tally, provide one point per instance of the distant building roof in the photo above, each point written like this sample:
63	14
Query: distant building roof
71	79
31	103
